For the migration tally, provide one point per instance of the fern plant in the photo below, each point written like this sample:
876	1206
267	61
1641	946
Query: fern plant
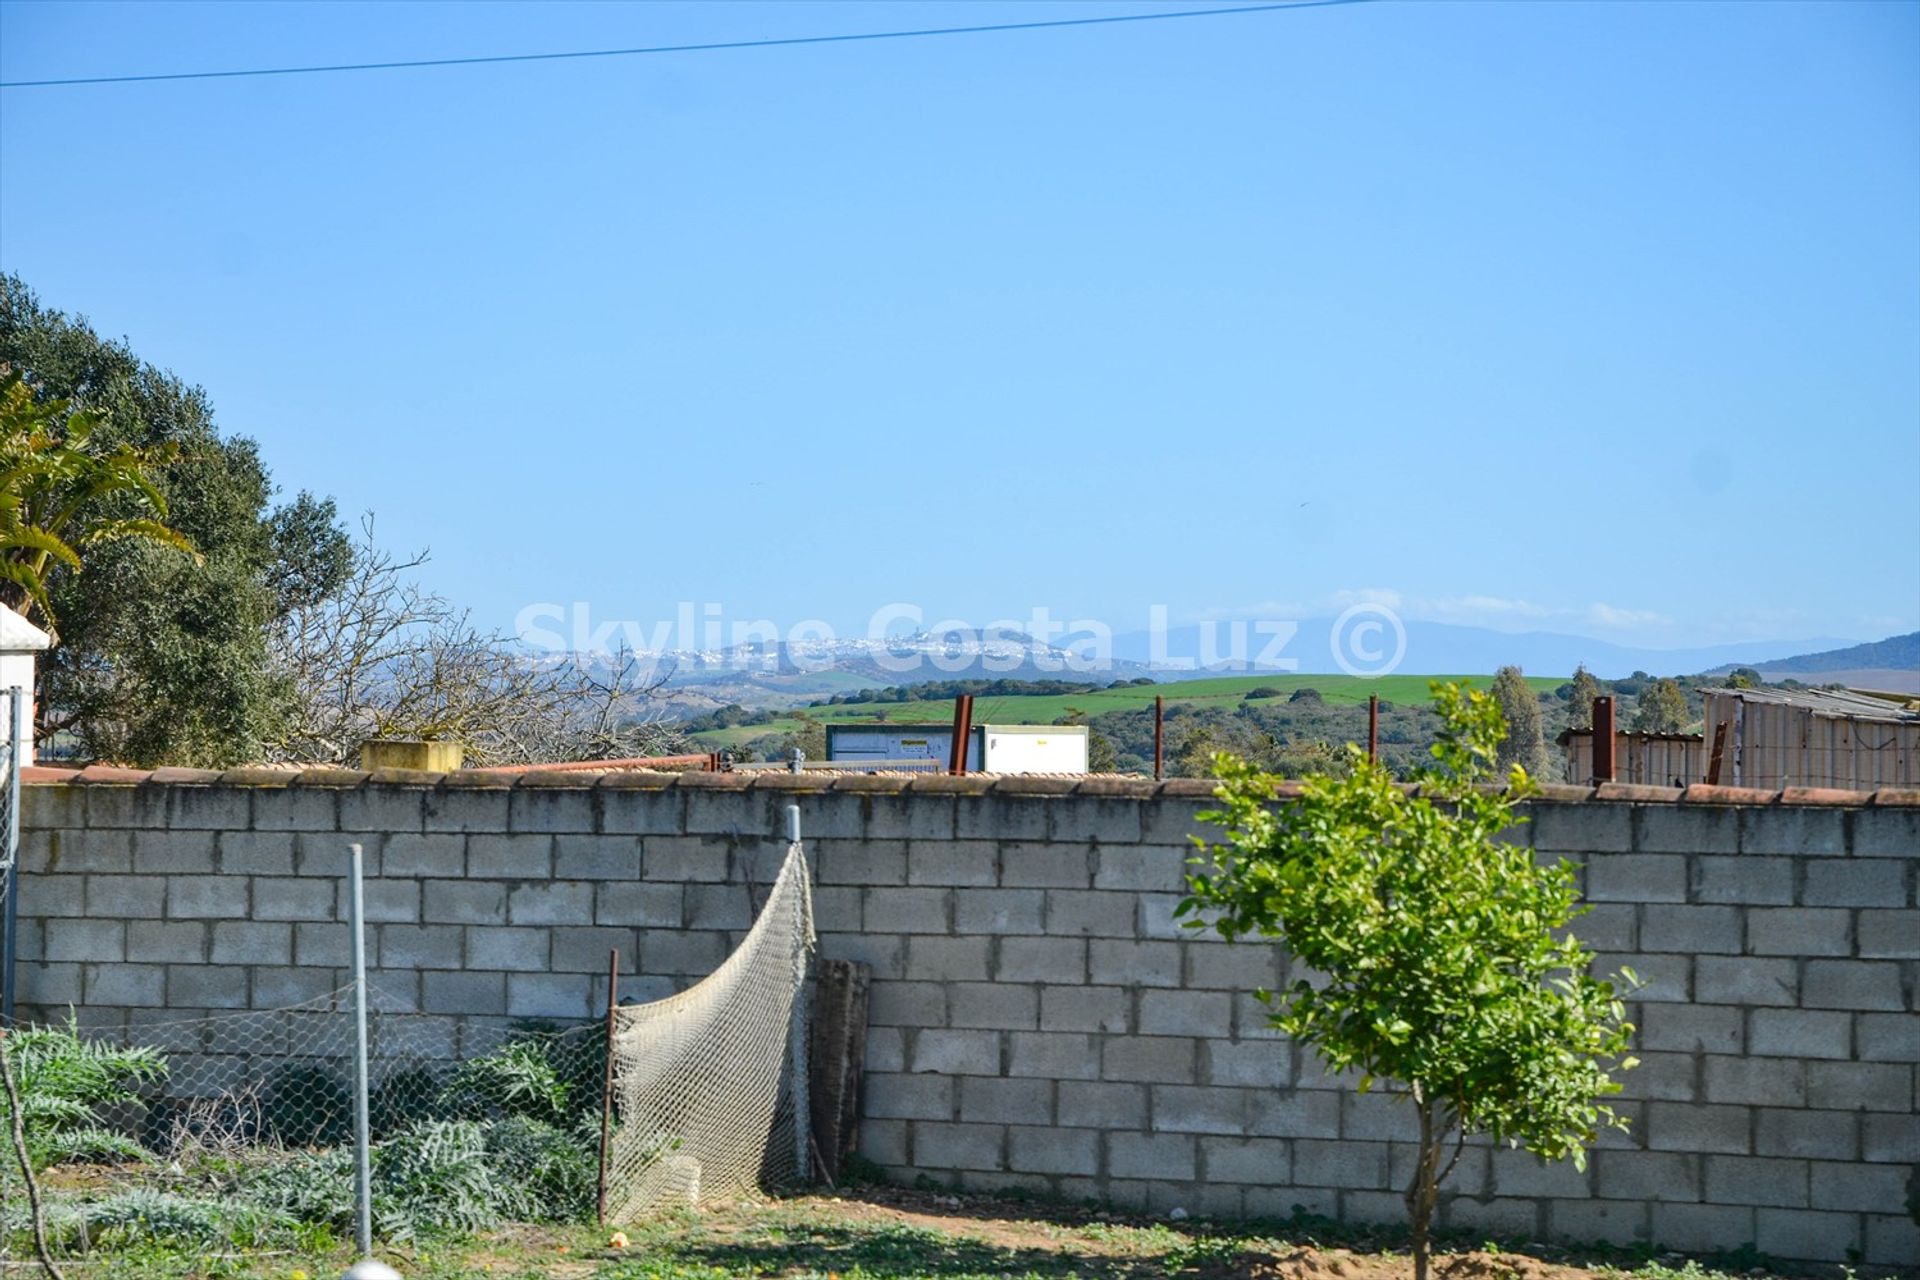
63	1078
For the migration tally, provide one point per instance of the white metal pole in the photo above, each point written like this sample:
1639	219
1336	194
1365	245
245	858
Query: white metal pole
367	1268
798	1029
10	856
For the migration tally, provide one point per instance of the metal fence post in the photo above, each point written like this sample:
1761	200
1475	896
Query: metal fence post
799	1028
368	1267
10	855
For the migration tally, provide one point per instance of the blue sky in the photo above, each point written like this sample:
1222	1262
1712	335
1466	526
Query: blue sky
1587	317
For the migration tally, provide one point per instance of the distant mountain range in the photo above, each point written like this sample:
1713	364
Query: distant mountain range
1892	664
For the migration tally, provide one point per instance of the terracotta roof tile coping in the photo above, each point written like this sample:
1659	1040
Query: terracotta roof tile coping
933	784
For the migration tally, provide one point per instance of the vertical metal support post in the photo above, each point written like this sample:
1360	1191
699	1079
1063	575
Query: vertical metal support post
799	1028
1603	739
962	734
1719	756
362	1158
1159	736
10	856
1373	727
606	1089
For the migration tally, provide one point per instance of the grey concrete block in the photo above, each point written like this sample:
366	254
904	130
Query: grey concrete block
295	809
1890	933
884	1141
938	959
1697	1127
133	985
463	902
1051	1150
128	897
1648	1175
163	942
1701	1228
1041	960
409	854
175	852
280	987
1855	882
1170	1156
206	986
207	897
1889	1037
1877	833
947	862
587	949
1827	1135
950	1052
882	862
298	898
1149	1059
1770	1082
465	993
560	902
1101	820
999	910
1185	1013
1800	1233
1053	1055
719	906
1636	877
76	851
382	807
1076	1008
414	946
1001	817
646	813
1887	1138
997	1100
1852	984
328	855
1603	1221
1891	1240
1608	926
939	1145
1149	868
46	807
908	1097
1797	831
1667	1076
504	947
461	809
1800	1033
385	901
1102	1105
1256	1063
1179	1108
549	809
1839	1086
918	910
585	857
1799	931
910	817
907	1004
53	895
1134	964
1743	879
1581	829
1666	977
550	995
1260	1161
651	905
994	1004
1083	913
1857	1187
1691	929
510	857
1295	1113
252	942
674	951
257	853
884	954
1354	1165
1756	1180
327	944
51	986
1026	864
1746	980
1680	828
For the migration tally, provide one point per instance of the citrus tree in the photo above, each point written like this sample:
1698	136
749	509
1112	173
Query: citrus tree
1443	961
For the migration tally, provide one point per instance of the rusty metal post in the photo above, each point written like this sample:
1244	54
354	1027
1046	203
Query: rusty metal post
962	735
1719	756
606	1088
1373	727
1159	736
1603	739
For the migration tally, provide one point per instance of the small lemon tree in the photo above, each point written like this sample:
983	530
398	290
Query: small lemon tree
1445	966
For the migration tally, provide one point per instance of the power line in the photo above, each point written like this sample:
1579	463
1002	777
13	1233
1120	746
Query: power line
675	48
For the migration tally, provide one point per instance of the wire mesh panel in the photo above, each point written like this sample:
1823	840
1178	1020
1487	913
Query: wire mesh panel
703	1080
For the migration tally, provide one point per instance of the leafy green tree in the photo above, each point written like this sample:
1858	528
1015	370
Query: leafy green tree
57	495
1580	698
1662	708
163	658
1442	958
1525	742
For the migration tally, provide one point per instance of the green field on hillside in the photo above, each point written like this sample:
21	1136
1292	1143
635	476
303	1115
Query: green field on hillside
1219	691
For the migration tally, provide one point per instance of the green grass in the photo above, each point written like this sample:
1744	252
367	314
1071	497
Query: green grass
890	1236
1217	691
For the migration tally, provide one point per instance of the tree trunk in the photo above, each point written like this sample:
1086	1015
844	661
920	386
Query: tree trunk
1423	1190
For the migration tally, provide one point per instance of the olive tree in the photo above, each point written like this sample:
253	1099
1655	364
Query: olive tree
1444	966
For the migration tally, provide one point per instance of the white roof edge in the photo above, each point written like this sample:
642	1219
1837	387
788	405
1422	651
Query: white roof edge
17	634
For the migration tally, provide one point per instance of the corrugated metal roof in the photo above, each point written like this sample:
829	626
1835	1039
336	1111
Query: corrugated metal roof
1829	702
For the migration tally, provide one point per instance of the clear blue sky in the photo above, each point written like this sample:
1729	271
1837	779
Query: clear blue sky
1588	317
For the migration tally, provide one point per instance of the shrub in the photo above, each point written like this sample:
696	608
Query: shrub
63	1079
520	1078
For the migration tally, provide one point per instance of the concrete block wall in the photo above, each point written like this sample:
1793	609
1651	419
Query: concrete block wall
1038	1020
